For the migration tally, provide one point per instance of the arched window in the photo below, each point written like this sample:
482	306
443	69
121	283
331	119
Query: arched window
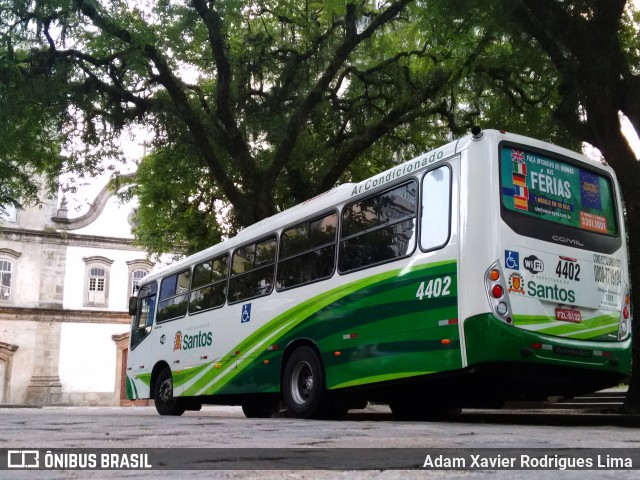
137	270
6	276
136	276
97	272
97	282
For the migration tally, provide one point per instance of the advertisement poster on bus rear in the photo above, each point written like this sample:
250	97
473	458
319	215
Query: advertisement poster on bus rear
546	188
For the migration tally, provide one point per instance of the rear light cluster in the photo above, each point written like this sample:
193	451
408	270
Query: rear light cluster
496	286
625	316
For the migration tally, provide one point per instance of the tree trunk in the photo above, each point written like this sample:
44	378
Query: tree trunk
614	146
631	185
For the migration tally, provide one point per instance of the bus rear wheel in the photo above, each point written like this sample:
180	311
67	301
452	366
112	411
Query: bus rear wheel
303	385
166	403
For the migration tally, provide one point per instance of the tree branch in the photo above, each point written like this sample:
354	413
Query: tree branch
176	91
350	41
236	143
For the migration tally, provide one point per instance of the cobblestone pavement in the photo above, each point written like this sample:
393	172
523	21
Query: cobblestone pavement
226	427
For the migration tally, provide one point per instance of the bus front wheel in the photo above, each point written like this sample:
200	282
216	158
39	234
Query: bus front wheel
166	403
303	385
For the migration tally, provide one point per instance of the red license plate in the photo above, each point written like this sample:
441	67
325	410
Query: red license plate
568	315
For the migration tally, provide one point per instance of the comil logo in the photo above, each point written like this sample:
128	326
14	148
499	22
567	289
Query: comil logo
570	241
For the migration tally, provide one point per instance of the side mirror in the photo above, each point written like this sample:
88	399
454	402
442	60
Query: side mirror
133	305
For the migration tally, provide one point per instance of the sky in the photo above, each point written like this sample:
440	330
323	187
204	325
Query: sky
134	149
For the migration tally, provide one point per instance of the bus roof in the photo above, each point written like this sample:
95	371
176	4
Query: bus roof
323	202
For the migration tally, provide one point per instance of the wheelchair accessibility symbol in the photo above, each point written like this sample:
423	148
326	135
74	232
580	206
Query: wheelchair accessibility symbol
512	260
246	313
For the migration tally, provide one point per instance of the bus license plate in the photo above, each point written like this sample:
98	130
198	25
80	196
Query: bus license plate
568	315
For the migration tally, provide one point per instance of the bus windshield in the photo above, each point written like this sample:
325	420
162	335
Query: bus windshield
536	185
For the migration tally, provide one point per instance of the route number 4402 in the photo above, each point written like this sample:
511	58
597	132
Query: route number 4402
434	288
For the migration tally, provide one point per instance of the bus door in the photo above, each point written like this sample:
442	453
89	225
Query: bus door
435	292
139	363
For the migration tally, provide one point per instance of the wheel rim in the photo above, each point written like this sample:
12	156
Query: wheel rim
165	391
301	383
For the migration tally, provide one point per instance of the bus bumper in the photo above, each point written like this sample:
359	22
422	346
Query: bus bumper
490	340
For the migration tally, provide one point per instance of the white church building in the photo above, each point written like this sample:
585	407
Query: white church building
64	290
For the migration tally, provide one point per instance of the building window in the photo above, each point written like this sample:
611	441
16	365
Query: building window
97	271
138	269
97	284
6	275
136	276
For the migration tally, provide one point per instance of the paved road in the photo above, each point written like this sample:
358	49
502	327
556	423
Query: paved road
219	427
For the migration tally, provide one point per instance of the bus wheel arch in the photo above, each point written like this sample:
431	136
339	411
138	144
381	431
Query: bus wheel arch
303	382
165	402
157	368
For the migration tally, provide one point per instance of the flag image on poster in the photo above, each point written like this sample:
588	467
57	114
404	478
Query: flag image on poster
590	190
519	179
518	156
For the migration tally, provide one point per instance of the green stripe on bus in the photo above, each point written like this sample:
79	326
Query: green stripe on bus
144	378
522	320
182	376
315	304
587	329
132	391
596	333
311	312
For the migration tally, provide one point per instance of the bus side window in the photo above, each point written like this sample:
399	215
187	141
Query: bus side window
252	270
174	296
307	252
209	285
436	209
379	228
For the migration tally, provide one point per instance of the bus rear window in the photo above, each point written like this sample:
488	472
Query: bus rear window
546	188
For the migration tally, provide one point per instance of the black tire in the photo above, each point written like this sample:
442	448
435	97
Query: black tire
259	409
303	385
166	403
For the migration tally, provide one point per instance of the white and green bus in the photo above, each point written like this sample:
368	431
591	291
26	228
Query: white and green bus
493	268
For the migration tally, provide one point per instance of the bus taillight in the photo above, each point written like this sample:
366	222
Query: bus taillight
496	288
625	314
